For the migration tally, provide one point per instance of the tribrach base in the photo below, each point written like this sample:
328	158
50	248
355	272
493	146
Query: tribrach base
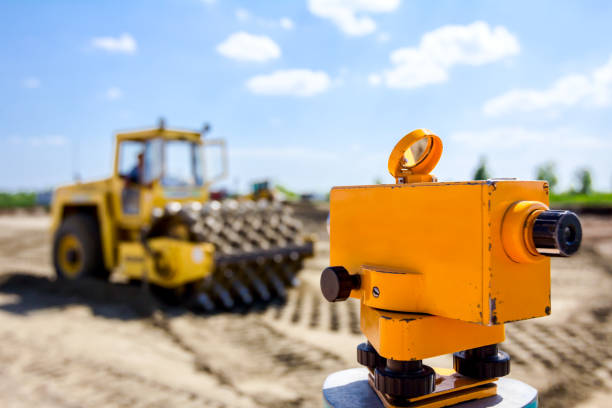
451	388
350	389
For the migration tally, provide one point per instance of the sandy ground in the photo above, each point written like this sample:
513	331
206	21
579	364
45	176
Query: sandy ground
96	344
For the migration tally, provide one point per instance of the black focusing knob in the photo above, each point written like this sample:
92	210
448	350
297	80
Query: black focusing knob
337	283
557	233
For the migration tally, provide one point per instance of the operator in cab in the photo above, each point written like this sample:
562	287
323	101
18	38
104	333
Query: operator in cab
136	174
130	196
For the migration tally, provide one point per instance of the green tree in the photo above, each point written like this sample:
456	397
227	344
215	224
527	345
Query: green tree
584	181
482	173
548	172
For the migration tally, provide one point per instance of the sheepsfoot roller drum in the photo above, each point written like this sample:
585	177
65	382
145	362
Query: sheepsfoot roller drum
439	268
258	249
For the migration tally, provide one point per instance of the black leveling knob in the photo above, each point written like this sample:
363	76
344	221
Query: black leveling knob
557	233
404	379
482	362
369	357
337	283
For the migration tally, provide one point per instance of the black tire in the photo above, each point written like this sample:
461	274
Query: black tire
84	261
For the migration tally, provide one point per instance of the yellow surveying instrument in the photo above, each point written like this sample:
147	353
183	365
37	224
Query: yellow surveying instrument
439	268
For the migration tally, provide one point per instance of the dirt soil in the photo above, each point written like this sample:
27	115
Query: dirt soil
97	344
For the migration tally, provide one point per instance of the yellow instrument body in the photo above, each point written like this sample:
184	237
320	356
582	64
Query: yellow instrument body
450	236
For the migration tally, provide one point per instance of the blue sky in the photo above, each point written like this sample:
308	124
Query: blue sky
311	93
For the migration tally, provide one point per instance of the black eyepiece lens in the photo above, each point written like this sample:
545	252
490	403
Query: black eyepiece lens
557	233
569	234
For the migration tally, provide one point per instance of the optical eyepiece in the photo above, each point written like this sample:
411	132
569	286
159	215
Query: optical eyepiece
557	233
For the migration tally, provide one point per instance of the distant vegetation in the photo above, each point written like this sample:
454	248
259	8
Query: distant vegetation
581	192
548	172
482	173
584	181
570	197
17	200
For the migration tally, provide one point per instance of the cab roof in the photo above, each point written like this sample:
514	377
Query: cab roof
167	134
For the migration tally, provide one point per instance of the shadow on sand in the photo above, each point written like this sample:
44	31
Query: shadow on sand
105	299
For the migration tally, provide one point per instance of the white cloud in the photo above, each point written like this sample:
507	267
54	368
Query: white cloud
294	82
594	89
351	16
284	153
413	68
48	141
113	93
31	83
374	79
383	38
248	47
516	137
208	2
242	14
516	151
41	141
286	23
125	44
341	77
439	50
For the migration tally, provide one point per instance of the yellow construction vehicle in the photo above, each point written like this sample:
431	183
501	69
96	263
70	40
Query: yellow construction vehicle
261	190
152	221
439	268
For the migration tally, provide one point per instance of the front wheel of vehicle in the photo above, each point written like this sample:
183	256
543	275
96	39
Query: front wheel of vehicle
77	252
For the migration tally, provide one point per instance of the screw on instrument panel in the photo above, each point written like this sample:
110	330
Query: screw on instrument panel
375	291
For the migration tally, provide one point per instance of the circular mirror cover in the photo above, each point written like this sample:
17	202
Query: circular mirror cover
416	153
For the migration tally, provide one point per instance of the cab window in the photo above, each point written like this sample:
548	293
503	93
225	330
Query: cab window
129	153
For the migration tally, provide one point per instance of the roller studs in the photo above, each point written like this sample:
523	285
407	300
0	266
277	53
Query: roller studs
205	302
223	296
239	229
242	291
